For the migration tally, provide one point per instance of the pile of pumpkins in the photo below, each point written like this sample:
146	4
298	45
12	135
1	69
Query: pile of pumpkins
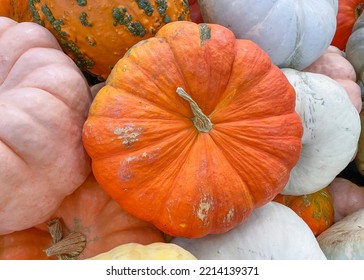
208	129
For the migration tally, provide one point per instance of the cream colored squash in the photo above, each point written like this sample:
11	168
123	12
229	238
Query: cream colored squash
273	231
153	251
331	131
344	240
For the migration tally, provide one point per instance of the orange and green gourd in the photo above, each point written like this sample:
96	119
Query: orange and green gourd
316	209
96	34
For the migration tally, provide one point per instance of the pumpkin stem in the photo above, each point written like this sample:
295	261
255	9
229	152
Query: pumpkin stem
69	247
200	120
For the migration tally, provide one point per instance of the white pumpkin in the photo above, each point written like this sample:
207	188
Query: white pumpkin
273	231
331	127
344	240
294	33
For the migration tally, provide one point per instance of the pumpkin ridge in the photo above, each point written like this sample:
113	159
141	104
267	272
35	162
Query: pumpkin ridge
251	83
147	74
151	143
173	115
214	203
147	184
187	86
242	168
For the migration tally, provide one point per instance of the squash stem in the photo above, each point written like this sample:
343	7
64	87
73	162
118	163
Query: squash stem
69	247
200	120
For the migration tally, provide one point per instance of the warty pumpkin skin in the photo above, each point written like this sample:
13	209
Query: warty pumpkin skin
96	34
15	9
193	179
95	222
316	209
44	100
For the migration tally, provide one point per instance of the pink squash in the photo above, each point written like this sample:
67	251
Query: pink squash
334	64
44	100
347	197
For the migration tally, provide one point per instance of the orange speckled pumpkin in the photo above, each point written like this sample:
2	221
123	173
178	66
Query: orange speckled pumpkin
15	9
96	34
316	209
95	221
193	130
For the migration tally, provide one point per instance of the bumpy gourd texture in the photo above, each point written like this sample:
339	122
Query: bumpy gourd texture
97	42
149	156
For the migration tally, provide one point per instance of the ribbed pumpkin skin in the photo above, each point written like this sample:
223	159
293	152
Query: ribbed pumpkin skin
96	34
147	153
90	211
44	101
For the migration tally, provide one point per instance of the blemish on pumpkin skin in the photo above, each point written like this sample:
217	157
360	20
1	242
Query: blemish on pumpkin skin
126	173
203	208
128	134
229	216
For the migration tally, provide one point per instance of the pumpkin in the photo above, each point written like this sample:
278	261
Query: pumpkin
348	13
87	223
293	33
347	197
193	130
15	9
354	48
44	100
153	251
272	232
316	209
195	11
344	240
334	64
96	34
331	127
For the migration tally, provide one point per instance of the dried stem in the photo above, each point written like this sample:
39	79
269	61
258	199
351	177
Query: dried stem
200	120
69	247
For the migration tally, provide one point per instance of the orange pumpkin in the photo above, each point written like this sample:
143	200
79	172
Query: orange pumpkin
348	13
193	130
316	209
87	223
15	9
96	34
